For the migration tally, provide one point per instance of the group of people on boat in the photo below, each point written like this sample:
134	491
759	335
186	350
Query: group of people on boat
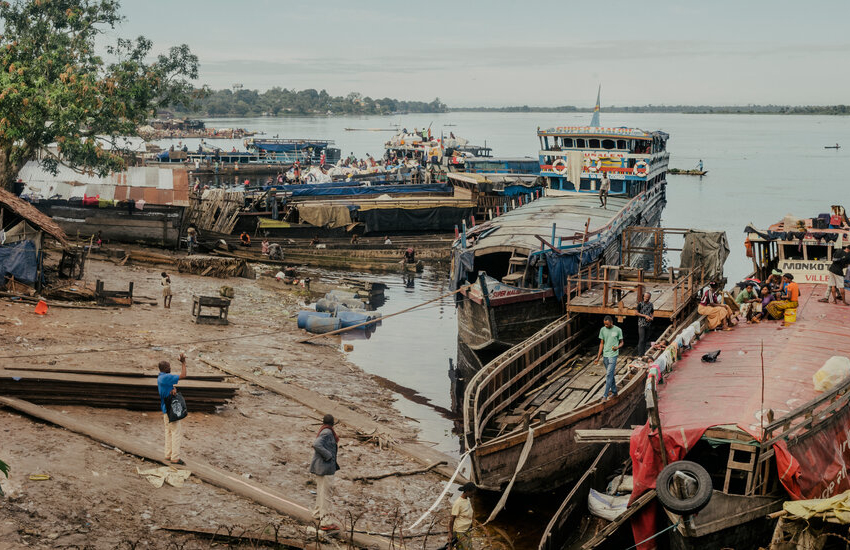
755	302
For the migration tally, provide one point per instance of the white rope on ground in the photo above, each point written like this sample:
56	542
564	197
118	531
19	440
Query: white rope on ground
445	489
523	456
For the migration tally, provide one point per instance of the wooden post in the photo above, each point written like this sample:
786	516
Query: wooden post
656	419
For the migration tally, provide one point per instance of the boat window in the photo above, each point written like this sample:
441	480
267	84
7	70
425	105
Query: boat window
580	143
608	144
817	252
594	143
568	142
792	252
585	184
621	144
618	186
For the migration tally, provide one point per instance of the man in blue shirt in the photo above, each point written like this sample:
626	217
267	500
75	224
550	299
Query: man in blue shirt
173	430
610	342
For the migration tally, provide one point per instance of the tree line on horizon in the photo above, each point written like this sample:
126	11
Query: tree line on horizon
279	101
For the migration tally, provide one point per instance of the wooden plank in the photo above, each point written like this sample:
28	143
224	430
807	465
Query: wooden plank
319	403
113	372
604	435
253	491
614	525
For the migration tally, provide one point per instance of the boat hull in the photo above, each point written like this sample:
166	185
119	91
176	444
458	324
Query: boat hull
555	459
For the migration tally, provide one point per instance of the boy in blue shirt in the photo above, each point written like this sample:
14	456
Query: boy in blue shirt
173	430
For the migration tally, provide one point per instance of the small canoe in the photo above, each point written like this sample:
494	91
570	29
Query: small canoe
836	146
679	172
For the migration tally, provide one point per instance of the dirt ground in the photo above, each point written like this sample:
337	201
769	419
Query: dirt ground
95	498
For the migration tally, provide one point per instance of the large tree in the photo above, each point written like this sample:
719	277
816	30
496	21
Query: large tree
55	87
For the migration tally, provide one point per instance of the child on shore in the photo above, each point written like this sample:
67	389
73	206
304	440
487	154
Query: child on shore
166	290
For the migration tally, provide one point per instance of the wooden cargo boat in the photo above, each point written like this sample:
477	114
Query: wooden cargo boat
678	172
517	293
752	421
546	389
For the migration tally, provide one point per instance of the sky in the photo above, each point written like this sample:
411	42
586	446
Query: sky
498	53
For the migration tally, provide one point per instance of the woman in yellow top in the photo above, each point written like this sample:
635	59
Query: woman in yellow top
789	300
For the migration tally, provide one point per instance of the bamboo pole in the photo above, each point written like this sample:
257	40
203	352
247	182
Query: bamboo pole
371	321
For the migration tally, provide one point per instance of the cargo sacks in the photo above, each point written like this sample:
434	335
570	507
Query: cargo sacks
440	218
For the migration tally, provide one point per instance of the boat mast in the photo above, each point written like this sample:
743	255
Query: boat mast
594	120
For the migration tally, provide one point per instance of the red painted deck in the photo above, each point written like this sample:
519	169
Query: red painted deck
701	395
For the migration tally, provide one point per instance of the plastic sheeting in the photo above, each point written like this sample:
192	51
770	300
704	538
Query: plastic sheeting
442	218
705	248
562	266
20	261
324	215
463	263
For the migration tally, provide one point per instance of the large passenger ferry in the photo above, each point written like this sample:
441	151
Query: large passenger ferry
518	262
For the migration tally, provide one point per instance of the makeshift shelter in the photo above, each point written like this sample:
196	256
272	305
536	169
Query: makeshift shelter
22	230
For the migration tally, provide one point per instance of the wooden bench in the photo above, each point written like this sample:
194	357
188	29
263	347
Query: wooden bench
113	297
223	305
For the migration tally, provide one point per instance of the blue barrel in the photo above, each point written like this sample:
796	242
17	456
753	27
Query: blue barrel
351	318
304	315
321	325
326	305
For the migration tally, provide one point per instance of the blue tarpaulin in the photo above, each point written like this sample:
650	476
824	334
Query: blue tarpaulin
19	260
562	266
288	147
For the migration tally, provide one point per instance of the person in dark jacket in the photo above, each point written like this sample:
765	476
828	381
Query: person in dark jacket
324	466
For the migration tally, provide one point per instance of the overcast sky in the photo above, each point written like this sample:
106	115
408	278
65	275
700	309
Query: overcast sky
498	52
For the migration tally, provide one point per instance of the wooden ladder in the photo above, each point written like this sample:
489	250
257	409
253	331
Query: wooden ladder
733	464
515	265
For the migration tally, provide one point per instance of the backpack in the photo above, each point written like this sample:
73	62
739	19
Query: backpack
175	407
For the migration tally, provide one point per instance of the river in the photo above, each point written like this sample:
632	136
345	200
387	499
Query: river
760	167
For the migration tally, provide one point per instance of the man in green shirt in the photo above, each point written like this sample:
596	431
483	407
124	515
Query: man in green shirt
610	342
748	301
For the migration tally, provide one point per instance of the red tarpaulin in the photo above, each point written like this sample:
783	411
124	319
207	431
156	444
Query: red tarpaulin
697	396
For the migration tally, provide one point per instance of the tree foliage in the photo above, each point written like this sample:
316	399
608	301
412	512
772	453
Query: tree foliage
55	87
280	101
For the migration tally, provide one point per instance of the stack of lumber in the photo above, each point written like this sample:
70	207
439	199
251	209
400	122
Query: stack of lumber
112	389
207	266
216	210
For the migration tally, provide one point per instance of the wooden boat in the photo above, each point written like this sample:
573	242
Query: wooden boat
836	146
547	388
757	447
516	297
694	172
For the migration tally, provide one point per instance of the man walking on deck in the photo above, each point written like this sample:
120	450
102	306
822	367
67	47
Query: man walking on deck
610	342
604	187
324	466
645	311
840	261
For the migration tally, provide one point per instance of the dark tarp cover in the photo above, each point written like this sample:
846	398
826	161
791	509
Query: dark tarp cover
440	218
705	248
463	263
19	260
562	266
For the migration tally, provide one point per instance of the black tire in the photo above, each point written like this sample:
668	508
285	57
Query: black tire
693	504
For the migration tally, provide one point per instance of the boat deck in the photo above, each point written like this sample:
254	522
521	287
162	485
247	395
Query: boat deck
520	227
699	395
611	290
578	382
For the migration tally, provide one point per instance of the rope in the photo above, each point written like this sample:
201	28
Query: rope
655	535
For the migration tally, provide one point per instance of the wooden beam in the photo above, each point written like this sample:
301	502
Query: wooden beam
319	403
604	435
621	519
260	494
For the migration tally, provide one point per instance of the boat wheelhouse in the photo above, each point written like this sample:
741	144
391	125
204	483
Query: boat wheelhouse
573	158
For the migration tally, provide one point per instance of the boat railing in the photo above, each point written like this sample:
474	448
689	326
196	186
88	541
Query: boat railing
510	375
686	284
808	416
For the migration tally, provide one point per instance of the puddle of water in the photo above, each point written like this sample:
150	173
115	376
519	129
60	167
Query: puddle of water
410	354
